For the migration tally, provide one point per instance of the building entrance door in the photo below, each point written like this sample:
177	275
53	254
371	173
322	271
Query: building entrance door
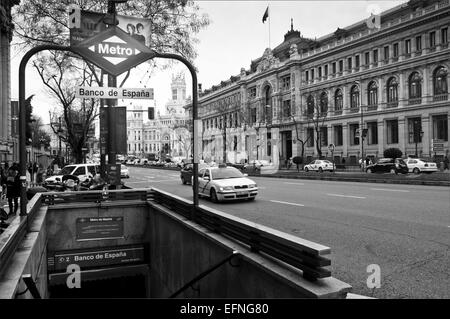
286	147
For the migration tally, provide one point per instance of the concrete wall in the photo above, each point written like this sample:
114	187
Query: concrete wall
180	250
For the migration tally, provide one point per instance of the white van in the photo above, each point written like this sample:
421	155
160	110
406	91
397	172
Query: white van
82	171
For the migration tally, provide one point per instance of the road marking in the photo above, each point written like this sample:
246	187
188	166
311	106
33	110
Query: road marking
349	196
294	183
390	190
287	203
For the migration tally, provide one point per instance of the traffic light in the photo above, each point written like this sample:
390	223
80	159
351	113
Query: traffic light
364	132
151	113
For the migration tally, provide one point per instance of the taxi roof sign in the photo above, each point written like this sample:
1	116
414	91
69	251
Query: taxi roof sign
114	51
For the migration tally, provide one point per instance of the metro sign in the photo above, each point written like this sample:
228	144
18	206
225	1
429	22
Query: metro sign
114	51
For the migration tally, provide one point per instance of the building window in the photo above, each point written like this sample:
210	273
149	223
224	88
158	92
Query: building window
395	53
174	94
286	83
338	100
312	74
414	128
372	97
432	39
367	58
325	70
320	71
215	122
310	136
408	46
287	108
269	144
415	86
386	52
372	133
419	43
333	66
324	136
323	103
375	56
440	127
349	63
353	130
338	139
392	131
252	93
253	115
354	96
392	88
307	76
440	81
357	61
310	106
236	122
444	35
341	65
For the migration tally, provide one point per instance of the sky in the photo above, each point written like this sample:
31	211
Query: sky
235	37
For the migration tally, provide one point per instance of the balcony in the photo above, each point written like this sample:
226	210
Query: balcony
414	101
444	45
440	97
354	109
392	104
407	55
432	49
337	112
372	107
395	59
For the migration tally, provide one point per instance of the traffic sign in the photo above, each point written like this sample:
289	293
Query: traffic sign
114	51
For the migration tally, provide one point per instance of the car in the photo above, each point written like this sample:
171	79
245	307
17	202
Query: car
419	165
124	171
143	161
320	166
129	162
388	165
186	172
224	183
82	171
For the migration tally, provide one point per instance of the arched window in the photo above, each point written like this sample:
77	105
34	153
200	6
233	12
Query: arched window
338	100
310	105
415	86
392	90
323	102
372	97
354	96
440	81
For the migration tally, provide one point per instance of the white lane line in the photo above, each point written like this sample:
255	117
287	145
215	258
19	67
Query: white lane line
287	203
162	180
390	190
349	196
294	183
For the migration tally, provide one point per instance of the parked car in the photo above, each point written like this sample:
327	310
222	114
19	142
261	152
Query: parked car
143	161
124	172
129	162
187	172
225	183
320	166
388	165
418	165
82	171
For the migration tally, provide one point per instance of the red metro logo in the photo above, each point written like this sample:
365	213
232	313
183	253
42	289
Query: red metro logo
114	51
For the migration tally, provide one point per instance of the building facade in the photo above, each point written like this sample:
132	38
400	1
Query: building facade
167	135
8	143
388	83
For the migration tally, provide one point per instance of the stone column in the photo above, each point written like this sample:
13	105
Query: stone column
402	135
402	91
381	140
345	139
427	135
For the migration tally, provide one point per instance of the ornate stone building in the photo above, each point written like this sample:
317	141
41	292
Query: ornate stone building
388	82
167	134
8	144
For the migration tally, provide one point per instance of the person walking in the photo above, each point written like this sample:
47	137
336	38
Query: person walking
13	189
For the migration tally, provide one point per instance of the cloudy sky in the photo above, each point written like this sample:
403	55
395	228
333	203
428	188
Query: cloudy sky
235	37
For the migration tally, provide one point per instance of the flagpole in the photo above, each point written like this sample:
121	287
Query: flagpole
269	23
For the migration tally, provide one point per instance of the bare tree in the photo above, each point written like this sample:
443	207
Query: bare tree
316	114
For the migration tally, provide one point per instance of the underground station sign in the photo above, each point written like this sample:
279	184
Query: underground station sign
113	50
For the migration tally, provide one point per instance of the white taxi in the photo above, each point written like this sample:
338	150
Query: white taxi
418	165
320	166
225	183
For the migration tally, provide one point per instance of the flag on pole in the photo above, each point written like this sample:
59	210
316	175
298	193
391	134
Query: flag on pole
266	15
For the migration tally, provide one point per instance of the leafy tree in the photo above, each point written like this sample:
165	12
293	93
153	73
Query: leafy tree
392	153
316	114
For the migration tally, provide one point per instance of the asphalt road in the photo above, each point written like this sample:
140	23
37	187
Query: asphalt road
405	229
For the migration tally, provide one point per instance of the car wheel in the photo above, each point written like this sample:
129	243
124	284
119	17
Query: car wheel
320	170
306	169
416	170
393	171
183	180
214	196
369	170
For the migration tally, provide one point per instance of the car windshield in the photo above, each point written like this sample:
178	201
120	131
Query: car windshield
223	173
66	170
327	162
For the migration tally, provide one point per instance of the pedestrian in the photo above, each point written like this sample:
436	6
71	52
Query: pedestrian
13	189
446	161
